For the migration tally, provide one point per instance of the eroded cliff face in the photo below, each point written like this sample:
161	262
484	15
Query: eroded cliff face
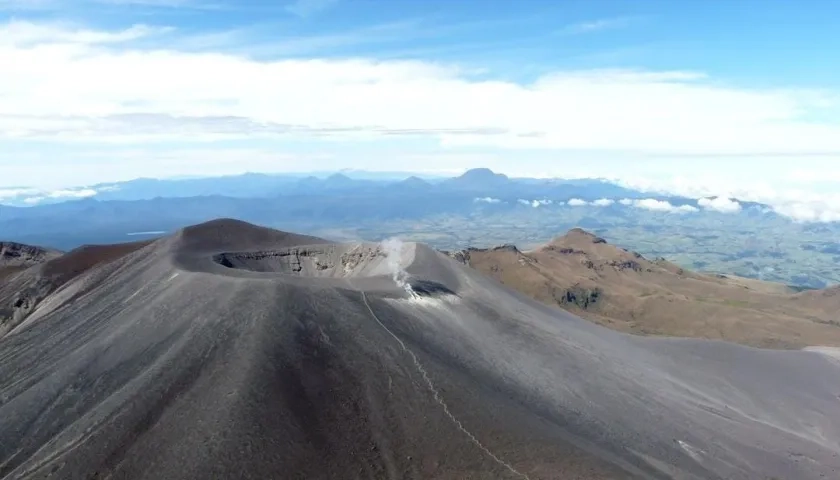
18	255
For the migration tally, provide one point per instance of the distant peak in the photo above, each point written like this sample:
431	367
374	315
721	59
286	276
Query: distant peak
578	232
412	180
339	176
481	173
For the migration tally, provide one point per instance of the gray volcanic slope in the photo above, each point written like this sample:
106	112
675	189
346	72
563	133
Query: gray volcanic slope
232	351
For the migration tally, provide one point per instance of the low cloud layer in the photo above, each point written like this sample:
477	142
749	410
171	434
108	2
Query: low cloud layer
658	205
30	196
601	202
720	204
805	200
486	200
536	203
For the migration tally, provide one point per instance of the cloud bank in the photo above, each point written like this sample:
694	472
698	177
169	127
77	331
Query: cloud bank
85	84
32	196
807	203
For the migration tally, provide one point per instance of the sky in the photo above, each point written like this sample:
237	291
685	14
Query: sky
688	97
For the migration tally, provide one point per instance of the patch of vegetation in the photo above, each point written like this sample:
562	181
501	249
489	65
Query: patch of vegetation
736	303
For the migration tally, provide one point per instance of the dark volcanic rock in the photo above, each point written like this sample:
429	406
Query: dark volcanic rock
584	298
621	265
564	250
19	255
426	288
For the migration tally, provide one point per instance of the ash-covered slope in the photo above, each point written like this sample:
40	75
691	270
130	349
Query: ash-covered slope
211	354
37	273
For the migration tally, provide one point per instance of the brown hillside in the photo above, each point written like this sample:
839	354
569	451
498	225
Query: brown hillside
625	291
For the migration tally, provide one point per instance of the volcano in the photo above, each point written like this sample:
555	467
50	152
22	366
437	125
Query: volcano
229	350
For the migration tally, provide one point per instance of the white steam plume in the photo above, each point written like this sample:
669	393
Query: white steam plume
393	248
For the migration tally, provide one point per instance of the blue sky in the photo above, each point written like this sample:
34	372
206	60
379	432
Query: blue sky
690	96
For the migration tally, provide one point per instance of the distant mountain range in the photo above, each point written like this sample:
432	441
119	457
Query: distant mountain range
108	213
479	181
247	185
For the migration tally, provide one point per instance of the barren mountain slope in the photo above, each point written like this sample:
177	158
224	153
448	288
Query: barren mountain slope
15	257
231	351
26	285
625	291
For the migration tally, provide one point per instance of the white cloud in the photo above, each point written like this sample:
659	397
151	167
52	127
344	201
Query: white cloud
687	209
72	193
807	204
720	204
32	196
662	206
16	192
626	201
88	84
535	203
809	212
603	202
486	200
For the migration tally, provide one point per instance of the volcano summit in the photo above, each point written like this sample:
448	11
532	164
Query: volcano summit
233	351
